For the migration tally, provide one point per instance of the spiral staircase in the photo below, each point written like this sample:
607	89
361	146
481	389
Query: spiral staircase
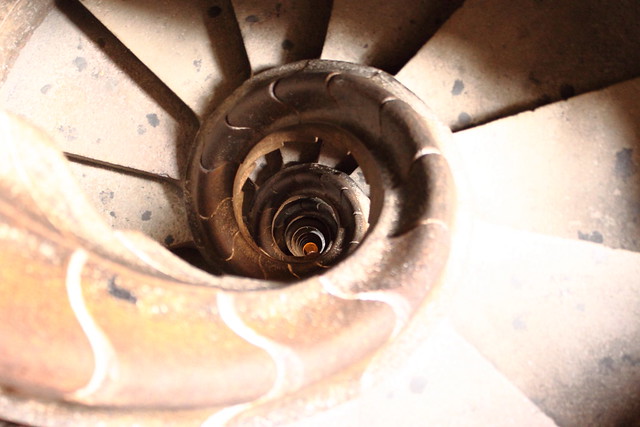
536	321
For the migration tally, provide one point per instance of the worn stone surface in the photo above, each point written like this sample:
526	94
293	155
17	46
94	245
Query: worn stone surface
278	32
558	318
194	47
94	105
132	203
494	58
571	169
383	34
445	382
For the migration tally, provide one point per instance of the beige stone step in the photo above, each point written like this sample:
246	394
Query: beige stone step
276	32
493	58
194	47
559	318
384	34
446	382
80	85
570	169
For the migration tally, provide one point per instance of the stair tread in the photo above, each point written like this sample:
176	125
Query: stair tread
493	58
445	382
129	202
380	33
195	47
277	32
570	169
90	107
559	318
